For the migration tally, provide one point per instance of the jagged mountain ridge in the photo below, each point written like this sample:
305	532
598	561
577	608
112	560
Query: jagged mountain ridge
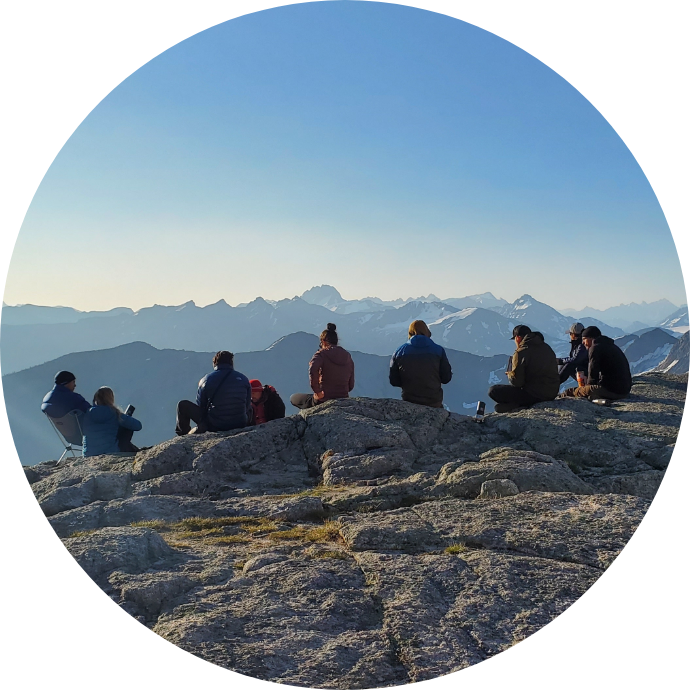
551	323
678	359
647	350
678	321
630	317
327	296
258	324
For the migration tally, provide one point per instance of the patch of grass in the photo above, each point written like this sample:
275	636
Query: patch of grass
456	548
81	533
263	525
239	565
229	539
198	524
329	531
210	525
199	534
158	525
178	544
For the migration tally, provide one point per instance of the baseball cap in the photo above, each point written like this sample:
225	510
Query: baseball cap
576	328
521	331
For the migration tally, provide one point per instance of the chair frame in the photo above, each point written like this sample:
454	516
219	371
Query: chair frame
68	447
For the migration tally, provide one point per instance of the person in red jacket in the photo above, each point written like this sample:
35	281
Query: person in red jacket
331	373
266	404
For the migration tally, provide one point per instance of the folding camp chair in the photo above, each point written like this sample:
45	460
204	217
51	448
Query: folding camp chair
68	429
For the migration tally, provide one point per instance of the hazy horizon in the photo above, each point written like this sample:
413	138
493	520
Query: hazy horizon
235	303
381	148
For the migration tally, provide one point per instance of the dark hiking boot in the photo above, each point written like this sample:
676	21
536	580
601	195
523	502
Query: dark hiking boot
505	407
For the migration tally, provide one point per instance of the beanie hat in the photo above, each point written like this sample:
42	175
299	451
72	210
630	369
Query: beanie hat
256	385
419	328
63	377
591	332
576	329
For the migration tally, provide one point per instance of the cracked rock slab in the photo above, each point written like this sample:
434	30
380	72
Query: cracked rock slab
366	543
590	530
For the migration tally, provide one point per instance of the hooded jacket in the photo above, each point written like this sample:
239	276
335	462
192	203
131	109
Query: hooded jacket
100	426
419	367
609	367
225	398
332	371
535	368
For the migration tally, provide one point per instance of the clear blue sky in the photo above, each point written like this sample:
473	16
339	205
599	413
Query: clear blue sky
382	149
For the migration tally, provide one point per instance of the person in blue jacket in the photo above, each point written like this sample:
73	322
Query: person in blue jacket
106	429
578	360
419	367
223	400
62	399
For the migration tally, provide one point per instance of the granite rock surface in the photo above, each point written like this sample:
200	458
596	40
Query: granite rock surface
366	543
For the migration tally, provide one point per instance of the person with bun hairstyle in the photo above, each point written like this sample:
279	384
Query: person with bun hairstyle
331	372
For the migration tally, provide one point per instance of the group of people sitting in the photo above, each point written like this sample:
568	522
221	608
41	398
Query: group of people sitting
226	399
105	428
535	373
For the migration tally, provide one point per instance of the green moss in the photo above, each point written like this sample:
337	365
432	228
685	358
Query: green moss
455	548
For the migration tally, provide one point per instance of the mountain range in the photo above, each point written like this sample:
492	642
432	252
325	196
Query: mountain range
676	361
647	350
477	324
154	380
327	296
677	322
630	317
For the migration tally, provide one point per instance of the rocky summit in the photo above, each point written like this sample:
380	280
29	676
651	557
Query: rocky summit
366	543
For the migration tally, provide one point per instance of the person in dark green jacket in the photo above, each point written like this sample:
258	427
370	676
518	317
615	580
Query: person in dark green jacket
533	373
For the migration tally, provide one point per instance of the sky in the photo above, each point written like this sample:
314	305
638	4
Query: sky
382	149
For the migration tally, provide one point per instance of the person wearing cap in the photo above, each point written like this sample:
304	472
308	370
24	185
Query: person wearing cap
578	360
608	374
419	367
62	399
533	373
267	405
223	400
